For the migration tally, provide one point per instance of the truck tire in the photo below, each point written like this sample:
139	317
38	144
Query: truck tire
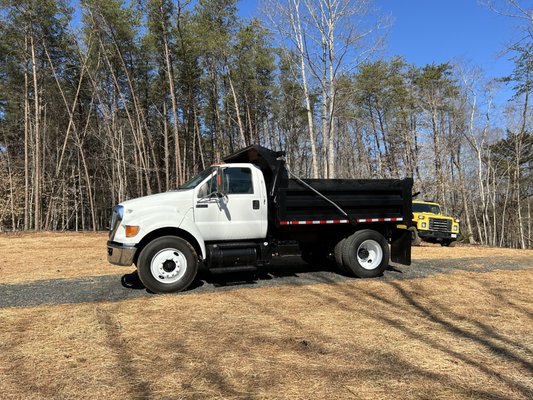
366	254
415	239
338	257
167	264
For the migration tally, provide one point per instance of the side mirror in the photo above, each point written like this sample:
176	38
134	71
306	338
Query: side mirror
220	183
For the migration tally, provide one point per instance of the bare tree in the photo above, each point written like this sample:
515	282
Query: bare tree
286	17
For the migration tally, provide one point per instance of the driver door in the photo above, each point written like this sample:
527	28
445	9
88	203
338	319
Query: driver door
243	212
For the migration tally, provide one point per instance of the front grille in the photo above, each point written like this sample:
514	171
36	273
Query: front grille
441	225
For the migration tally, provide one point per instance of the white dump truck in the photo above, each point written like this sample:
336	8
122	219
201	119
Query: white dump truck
239	214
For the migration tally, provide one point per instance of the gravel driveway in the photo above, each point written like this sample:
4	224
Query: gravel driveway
283	271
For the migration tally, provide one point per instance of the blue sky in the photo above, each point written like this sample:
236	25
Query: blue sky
427	31
438	31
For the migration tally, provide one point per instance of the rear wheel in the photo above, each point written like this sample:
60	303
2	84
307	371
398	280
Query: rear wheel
338	257
167	264
366	254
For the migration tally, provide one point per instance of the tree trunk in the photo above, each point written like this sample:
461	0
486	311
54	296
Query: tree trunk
165	147
518	159
297	29
331	108
237	110
27	222
170	76
37	136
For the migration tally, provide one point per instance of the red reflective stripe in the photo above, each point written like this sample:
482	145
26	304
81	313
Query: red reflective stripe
315	222
338	221
379	219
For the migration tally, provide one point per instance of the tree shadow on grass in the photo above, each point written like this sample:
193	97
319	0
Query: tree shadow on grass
389	367
464	327
138	387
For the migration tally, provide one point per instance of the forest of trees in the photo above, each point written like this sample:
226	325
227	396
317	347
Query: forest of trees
105	100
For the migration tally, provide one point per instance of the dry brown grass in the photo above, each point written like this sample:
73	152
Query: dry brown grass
457	336
38	256
432	251
29	256
466	335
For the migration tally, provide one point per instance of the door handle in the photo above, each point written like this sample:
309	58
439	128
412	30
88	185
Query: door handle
201	205
255	204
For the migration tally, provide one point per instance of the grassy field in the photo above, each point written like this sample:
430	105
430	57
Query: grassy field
467	335
29	257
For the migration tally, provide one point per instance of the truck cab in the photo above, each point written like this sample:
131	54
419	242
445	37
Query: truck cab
431	225
222	203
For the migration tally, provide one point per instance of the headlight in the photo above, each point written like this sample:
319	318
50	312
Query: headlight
420	217
456	228
424	225
116	217
119	210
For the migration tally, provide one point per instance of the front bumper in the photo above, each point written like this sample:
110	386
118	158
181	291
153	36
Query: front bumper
437	235
120	254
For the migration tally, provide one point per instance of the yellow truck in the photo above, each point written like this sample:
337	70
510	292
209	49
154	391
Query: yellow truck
430	225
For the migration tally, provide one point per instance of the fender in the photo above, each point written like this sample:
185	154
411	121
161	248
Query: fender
149	219
188	225
162	217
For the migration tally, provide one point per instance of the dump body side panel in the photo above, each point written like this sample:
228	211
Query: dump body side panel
383	200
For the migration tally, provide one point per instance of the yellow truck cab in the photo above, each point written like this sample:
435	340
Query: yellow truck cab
430	225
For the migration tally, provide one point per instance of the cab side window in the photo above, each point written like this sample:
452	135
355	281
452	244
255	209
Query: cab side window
238	180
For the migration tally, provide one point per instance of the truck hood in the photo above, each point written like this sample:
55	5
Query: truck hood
431	215
179	199
153	212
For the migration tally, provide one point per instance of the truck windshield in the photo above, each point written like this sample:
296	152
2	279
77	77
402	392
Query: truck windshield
197	179
427	208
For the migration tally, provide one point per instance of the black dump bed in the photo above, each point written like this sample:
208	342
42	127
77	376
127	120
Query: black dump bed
363	200
294	202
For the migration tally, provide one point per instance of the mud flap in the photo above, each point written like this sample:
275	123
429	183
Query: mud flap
401	246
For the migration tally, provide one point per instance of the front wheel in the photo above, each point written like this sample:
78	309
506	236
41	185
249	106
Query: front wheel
415	238
366	254
167	264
